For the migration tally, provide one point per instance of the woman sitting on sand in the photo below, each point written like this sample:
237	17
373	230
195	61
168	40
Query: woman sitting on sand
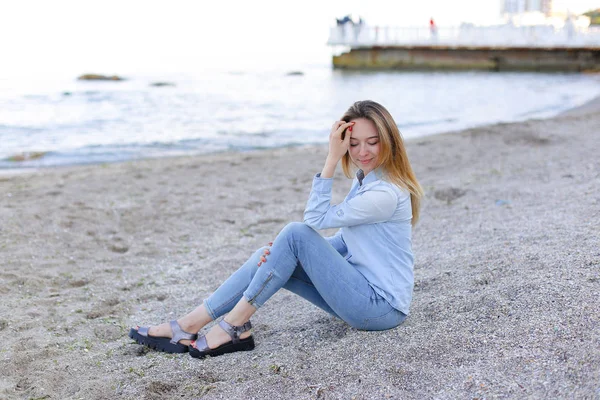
363	274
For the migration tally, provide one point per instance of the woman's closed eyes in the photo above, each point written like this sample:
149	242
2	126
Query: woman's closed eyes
370	144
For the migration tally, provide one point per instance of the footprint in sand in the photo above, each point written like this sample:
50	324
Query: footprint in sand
118	246
449	194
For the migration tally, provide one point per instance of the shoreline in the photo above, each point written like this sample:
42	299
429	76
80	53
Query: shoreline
584	109
506	274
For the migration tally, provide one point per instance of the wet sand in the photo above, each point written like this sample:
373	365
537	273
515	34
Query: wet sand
507	274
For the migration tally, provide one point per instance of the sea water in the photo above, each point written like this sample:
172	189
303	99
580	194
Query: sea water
69	121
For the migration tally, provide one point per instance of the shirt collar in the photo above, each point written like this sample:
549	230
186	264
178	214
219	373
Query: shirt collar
372	176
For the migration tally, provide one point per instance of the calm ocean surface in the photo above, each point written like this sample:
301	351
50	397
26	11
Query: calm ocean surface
79	122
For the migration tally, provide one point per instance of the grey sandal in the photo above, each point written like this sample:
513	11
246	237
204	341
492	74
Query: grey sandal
167	345
200	348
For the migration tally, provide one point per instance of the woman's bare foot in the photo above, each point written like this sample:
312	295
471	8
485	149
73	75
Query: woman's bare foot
191	323
217	336
164	330
236	317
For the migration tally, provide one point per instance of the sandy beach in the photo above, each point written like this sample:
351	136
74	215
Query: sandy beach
507	274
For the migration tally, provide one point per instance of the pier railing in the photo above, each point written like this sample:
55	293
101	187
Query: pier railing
357	36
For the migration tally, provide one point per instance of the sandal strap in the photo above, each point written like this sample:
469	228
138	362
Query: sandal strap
201	344
234	331
180	334
143	330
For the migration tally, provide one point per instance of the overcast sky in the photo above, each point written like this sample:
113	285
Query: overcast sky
111	36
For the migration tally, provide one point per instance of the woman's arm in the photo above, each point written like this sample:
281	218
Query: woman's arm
375	205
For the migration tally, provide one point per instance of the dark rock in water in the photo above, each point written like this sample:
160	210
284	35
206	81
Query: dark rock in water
95	77
33	155
162	84
67	93
295	73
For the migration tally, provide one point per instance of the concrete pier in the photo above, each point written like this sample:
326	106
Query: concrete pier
571	59
496	48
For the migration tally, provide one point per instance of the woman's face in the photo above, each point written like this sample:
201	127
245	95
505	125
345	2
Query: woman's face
364	145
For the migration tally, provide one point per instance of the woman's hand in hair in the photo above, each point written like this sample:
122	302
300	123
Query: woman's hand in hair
339	142
339	139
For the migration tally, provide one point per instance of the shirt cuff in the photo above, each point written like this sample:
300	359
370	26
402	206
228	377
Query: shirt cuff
322	185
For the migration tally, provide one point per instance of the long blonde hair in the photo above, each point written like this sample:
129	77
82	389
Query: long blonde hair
392	152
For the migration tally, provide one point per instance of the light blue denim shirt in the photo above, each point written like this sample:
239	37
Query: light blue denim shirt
375	235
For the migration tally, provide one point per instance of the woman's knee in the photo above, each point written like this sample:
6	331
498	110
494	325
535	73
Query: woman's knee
294	229
251	265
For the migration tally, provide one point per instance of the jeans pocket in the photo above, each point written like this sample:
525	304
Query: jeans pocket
391	319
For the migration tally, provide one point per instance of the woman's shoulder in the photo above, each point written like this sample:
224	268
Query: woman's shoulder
384	185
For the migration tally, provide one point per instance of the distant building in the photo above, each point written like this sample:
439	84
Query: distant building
546	7
512	7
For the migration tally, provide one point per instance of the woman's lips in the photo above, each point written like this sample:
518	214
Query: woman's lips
365	161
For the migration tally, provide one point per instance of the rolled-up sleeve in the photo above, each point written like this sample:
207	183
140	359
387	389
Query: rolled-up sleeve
371	206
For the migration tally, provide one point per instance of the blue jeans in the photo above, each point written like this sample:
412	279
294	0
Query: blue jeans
303	262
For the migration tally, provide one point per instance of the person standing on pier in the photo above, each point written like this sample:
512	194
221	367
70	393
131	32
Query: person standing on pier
432	28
